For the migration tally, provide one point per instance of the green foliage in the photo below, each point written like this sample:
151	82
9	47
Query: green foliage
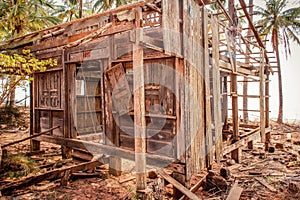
16	68
102	5
19	165
18	17
23	64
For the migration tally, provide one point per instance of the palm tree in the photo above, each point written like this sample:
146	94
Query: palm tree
283	26
102	5
73	9
18	17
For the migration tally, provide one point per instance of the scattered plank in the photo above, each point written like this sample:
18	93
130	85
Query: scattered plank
246	169
264	183
121	181
178	185
54	174
235	192
196	186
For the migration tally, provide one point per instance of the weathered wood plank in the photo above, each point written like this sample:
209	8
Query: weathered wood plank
216	89
97	148
208	112
195	187
262	98
171	30
121	93
140	133
242	142
235	192
179	186
264	183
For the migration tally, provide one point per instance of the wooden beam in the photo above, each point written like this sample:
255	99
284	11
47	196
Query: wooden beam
97	148
179	186
242	142
30	137
139	106
40	33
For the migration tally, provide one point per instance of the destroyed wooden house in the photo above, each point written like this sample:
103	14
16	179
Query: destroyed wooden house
159	77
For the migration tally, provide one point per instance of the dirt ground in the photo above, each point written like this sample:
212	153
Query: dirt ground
262	175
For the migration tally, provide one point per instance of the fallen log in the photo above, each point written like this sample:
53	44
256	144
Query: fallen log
54	174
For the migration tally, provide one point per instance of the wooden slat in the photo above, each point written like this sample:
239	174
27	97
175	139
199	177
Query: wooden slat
216	90
235	192
264	183
171	30
186	118
208	112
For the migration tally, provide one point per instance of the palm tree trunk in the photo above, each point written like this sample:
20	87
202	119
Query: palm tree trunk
80	8
280	108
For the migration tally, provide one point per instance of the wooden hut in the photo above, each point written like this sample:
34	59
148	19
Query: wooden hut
149	82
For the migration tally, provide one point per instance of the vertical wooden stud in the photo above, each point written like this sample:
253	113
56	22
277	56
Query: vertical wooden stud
34	144
66	151
208	113
139	107
216	89
261	97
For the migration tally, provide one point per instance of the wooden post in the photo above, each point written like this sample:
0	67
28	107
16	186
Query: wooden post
267	101
139	108
250	144
66	152
245	84
233	84
237	155
115	163
216	89
207	100
261	97
34	144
